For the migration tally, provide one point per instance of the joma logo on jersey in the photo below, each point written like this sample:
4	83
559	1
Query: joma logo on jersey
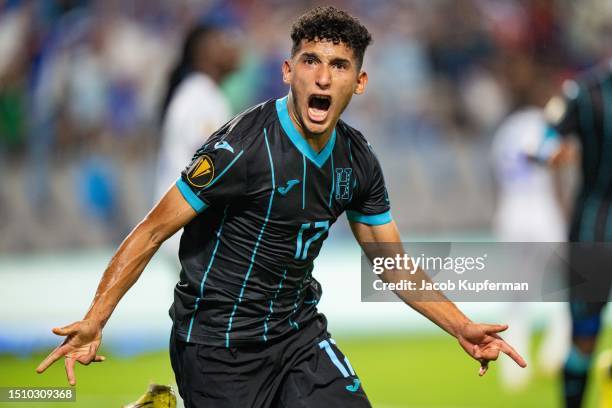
201	172
343	183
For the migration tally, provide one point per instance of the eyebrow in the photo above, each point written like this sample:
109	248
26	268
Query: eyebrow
340	60
335	60
309	55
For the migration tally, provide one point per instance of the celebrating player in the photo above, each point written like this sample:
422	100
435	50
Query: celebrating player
256	204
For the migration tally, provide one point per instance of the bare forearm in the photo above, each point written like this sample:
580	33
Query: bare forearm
480	341
122	272
436	308
384	241
168	216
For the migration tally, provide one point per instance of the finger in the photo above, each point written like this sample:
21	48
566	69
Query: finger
476	353
88	358
494	328
513	354
484	366
66	330
490	354
51	358
69	364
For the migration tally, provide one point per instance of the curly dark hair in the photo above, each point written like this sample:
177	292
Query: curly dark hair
331	24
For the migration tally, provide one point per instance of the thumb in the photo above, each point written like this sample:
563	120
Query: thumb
66	330
494	328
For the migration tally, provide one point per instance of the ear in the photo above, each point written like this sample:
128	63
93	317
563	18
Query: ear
362	81
287	72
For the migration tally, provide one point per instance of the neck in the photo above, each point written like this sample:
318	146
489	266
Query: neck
316	140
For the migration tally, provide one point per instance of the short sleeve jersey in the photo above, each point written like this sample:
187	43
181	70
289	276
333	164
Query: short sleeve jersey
265	202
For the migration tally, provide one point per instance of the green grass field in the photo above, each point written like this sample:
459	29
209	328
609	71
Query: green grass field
396	371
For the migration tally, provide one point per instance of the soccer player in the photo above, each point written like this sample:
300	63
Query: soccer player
585	111
256	204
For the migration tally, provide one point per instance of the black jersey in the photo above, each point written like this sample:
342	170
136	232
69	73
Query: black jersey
588	115
265	201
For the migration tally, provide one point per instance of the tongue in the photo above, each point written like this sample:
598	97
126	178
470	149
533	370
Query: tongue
317	115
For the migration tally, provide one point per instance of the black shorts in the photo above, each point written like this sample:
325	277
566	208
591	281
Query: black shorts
303	370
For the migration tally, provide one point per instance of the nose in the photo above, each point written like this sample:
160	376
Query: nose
323	78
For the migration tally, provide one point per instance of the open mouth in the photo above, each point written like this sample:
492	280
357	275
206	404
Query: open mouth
318	107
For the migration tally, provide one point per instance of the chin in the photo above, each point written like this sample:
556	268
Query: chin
317	128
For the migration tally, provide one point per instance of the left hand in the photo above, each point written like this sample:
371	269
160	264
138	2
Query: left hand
482	342
81	344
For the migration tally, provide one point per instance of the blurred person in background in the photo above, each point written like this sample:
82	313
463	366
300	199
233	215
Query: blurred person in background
194	105
529	202
15	57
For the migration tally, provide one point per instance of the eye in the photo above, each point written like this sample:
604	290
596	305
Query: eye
309	60
340	65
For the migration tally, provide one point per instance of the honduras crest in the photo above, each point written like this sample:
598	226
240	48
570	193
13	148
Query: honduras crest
343	183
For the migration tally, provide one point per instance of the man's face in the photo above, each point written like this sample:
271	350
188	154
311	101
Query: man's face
219	49
323	77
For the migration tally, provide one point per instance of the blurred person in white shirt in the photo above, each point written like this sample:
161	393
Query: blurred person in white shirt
529	206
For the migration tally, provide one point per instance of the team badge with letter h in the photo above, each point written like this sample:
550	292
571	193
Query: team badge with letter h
343	183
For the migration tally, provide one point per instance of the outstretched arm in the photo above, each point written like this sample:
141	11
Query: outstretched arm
84	336
480	341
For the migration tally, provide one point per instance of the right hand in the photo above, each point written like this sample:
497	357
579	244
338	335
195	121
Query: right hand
81	345
483	343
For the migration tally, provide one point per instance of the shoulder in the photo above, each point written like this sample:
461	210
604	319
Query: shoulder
244	130
198	95
198	84
359	145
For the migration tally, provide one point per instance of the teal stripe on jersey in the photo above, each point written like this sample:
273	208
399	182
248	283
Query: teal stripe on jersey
280	285
212	259
298	140
324	345
194	201
324	225
346	360
224	171
298	249
295	303
195	310
378	219
304	184
261	231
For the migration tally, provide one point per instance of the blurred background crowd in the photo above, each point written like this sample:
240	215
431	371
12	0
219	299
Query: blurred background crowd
82	84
